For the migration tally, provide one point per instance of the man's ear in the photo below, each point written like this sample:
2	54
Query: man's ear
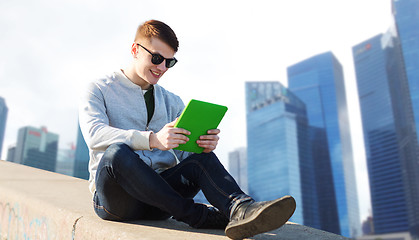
134	50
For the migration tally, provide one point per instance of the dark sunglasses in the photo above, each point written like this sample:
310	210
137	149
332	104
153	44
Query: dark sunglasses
156	58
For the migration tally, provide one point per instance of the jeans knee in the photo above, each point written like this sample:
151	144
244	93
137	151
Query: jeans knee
117	150
117	153
207	159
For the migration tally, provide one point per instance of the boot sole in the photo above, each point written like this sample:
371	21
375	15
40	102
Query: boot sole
268	218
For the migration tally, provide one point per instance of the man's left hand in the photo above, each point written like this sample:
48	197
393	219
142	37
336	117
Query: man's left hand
209	142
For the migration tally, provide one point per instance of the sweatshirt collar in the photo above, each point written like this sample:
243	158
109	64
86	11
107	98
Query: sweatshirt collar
124	80
128	83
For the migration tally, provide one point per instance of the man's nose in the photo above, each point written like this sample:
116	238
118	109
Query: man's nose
162	66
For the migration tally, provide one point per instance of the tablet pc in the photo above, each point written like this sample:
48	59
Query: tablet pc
198	117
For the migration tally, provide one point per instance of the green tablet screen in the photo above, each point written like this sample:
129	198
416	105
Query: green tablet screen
198	117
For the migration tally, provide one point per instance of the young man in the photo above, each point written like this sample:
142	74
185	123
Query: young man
127	120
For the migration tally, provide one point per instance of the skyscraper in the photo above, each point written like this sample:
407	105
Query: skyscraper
406	16
81	160
390	133
318	82
65	161
279	162
36	148
11	153
237	166
3	118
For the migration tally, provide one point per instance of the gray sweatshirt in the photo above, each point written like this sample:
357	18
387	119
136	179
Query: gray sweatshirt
113	110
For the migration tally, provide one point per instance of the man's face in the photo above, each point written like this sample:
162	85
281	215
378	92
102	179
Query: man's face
148	72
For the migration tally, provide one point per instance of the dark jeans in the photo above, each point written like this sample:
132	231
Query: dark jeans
128	189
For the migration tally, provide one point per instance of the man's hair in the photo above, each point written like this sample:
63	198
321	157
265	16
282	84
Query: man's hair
157	29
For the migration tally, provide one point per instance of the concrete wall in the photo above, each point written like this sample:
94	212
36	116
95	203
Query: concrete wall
36	204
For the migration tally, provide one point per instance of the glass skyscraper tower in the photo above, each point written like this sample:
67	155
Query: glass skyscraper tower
81	157
3	118
318	82
406	16
383	158
390	133
36	148
278	156
237	167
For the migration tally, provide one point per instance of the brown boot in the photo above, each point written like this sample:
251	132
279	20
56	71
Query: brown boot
251	218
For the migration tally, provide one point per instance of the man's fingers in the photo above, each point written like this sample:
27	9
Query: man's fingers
213	131
178	137
180	131
208	146
206	143
172	129
210	137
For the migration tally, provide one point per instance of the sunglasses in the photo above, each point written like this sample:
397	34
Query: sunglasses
156	58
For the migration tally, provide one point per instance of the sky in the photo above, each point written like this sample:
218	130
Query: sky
50	49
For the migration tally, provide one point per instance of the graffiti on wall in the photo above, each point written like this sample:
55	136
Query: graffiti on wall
16	223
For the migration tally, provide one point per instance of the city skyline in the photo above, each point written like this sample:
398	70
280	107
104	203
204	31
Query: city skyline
84	50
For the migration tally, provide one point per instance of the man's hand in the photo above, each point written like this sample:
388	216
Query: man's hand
169	137
209	142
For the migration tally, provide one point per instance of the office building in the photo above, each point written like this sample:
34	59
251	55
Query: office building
3	118
406	18
81	158
368	226
65	161
237	167
36	147
278	159
390	236
318	82
11	153
389	134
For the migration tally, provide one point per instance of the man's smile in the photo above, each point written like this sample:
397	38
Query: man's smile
156	74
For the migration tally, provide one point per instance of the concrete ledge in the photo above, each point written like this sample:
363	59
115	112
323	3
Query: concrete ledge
36	204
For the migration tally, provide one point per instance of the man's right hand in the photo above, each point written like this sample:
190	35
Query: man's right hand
169	137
